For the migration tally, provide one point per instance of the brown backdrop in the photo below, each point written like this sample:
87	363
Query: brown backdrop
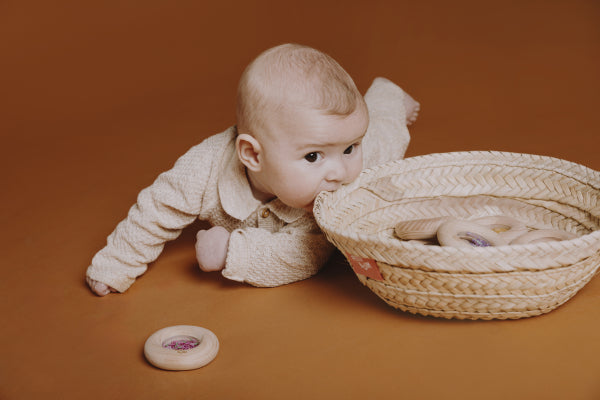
98	97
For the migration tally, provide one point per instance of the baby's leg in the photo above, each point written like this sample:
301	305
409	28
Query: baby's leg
412	108
101	289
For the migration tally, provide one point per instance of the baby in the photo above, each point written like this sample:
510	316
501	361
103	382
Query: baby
302	128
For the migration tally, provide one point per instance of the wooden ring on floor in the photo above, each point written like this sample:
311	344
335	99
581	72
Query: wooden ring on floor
507	227
460	233
543	235
419	229
200	347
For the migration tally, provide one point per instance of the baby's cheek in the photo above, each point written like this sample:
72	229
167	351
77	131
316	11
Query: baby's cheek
357	168
297	192
357	163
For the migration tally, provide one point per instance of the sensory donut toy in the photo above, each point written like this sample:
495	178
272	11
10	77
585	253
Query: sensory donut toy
483	279
181	347
508	228
465	234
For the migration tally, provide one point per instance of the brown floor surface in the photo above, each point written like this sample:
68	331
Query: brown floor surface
98	97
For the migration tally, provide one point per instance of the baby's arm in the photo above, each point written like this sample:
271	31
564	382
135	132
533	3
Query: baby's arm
261	258
161	212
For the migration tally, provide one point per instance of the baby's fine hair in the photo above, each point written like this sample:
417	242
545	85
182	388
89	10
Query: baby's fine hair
293	75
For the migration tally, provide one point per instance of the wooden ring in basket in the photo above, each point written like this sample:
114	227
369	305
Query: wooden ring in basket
181	347
419	229
460	233
507	227
543	235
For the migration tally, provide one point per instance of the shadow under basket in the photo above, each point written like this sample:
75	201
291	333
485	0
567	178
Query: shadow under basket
502	282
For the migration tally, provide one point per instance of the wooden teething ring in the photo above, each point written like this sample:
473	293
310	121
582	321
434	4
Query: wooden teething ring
507	227
419	229
543	235
181	347
460	233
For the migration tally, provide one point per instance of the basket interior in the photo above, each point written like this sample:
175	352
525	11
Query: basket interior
542	196
379	220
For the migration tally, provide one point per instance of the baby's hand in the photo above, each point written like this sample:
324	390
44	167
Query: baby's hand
101	289
211	248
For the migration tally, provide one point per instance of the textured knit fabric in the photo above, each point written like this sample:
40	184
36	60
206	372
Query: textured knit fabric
387	137
271	244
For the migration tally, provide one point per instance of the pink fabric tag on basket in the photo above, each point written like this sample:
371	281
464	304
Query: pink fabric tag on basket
365	266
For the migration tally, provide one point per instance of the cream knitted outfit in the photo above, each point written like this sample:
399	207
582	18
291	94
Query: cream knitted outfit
271	244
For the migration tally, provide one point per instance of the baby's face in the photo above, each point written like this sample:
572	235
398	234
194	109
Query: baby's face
306	152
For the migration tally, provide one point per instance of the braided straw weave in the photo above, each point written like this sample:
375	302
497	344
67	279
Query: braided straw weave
511	281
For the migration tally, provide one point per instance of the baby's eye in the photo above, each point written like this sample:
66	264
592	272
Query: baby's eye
312	157
350	149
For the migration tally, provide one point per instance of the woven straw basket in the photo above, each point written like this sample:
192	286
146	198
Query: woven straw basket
510	281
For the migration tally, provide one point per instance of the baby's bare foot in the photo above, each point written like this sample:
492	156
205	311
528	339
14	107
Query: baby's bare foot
101	289
412	108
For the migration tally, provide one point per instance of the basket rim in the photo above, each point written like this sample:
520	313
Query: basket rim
478	157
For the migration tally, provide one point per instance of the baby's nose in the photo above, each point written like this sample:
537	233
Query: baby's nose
337	172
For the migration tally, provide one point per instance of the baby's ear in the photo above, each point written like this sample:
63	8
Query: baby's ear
248	151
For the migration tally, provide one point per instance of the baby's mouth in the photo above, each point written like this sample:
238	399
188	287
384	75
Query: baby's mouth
309	207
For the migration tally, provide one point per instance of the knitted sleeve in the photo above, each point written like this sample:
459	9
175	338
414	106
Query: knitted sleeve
390	111
162	210
261	258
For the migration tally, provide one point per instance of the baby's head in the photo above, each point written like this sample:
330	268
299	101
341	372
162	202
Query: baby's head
300	122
